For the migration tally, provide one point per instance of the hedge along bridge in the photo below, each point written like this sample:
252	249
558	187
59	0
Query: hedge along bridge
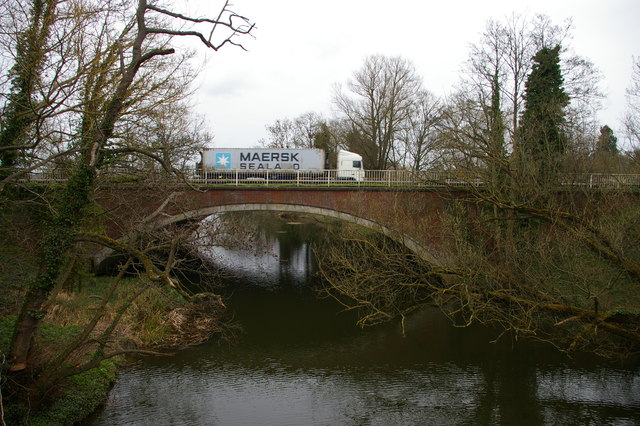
410	216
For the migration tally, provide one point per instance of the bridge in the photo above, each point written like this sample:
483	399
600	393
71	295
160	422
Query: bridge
409	215
404	205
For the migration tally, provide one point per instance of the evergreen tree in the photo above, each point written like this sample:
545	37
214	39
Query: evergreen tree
607	141
543	140
322	138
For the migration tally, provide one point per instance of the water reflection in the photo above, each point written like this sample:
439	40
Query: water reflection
277	255
303	362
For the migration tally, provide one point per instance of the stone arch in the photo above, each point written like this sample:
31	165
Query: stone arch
412	244
408	242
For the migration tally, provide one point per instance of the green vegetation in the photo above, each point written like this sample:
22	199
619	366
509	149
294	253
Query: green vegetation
155	320
73	401
6	329
78	397
545	100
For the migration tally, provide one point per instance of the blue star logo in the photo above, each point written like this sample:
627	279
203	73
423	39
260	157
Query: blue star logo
223	160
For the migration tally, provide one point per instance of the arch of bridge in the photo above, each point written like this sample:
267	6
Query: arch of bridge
201	213
410	217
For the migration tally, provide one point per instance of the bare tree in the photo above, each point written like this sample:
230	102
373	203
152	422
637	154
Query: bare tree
144	42
297	133
570	282
307	127
469	146
162	140
420	135
502	61
161	257
521	253
378	102
280	134
632	117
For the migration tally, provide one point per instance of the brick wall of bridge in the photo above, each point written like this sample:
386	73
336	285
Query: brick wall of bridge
415	214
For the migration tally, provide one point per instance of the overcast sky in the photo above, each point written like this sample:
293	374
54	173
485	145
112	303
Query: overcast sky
303	48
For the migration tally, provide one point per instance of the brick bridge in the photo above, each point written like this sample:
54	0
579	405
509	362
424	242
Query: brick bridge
411	217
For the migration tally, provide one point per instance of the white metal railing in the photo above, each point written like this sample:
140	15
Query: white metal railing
394	178
49	176
602	180
366	178
330	178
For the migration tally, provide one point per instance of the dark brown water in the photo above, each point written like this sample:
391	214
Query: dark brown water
303	362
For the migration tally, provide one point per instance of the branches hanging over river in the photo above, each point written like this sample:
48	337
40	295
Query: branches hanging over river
549	284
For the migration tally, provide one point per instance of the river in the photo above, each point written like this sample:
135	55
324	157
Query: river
301	361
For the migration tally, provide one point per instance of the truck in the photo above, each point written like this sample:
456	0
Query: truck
276	163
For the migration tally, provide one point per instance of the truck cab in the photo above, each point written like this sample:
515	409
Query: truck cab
349	166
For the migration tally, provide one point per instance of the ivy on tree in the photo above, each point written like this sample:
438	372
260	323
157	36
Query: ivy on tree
543	140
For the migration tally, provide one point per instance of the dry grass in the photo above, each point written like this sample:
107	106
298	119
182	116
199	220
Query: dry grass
158	319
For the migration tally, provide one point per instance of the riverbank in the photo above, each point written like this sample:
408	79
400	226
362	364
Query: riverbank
157	319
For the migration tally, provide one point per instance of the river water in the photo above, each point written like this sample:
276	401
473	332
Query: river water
301	361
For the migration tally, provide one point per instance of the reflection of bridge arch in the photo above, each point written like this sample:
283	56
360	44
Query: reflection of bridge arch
201	213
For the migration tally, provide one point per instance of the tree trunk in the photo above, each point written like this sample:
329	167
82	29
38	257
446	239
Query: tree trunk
59	240
26	327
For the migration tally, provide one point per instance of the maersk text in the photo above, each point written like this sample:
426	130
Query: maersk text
285	157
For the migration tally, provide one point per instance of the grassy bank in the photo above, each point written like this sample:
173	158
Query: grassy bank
156	319
73	400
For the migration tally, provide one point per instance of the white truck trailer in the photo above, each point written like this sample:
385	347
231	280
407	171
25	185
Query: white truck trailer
278	163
